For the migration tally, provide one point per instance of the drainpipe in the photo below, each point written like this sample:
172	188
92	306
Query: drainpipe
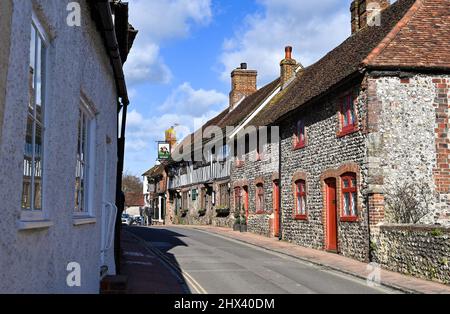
280	211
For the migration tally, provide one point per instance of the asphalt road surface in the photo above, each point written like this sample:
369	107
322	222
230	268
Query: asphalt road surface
216	265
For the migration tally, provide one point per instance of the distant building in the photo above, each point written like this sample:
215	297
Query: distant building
134	204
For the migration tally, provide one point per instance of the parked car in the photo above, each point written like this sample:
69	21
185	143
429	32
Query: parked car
126	220
138	220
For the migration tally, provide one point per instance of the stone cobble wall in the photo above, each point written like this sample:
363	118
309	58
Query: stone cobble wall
324	152
193	217
422	251
250	173
408	125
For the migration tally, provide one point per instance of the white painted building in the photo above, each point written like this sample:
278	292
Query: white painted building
58	147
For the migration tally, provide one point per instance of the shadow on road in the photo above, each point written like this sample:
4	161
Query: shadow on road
163	264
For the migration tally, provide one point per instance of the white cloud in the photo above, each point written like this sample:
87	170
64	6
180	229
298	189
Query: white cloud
186	107
312	27
186	100
159	21
146	64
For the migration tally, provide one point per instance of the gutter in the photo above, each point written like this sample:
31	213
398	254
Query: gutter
103	16
106	25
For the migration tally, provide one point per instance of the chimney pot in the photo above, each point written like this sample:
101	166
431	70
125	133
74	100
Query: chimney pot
288	51
243	66
288	68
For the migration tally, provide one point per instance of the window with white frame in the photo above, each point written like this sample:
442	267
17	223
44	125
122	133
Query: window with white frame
85	151
34	137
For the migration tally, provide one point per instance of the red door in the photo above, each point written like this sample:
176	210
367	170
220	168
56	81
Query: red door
276	209
331	239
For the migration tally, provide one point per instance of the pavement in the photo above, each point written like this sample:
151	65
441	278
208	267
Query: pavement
206	259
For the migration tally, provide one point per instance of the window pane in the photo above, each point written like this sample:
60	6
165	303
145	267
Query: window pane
79	136
347	204
32	50
38	168
351	111
38	78
26	194
354	202
28	166
346	183
353	182
345	115
303	207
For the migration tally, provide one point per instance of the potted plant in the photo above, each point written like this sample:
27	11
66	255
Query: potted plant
222	211
237	222
243	220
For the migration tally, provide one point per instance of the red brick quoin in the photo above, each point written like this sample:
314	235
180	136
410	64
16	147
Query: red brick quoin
441	171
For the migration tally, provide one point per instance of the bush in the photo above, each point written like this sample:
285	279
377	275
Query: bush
223	212
409	202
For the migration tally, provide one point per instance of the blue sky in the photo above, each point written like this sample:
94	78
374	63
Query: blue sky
179	69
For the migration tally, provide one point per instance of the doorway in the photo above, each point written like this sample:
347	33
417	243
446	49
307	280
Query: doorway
276	209
331	241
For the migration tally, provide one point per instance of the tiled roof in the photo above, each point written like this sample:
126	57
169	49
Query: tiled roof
155	171
134	199
236	116
420	40
412	34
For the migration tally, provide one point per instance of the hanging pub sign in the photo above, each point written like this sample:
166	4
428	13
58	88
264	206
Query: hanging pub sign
163	151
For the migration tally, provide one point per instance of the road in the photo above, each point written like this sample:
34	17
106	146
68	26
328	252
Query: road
216	265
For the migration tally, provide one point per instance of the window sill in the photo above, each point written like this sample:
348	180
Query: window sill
84	220
299	146
347	131
260	212
349	219
23	225
301	217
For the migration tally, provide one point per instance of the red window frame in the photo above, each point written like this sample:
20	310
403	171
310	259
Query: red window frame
349	187
300	135
300	192
259	203
347	115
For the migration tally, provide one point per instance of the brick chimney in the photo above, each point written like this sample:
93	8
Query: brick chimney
243	84
360	9
288	67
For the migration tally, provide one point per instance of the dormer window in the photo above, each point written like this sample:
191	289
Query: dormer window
300	135
348	123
